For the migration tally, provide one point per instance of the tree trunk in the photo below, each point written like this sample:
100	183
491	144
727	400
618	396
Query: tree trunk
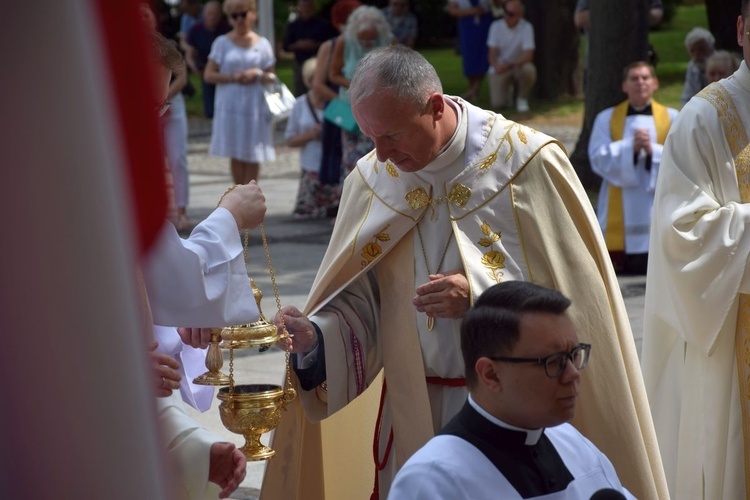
618	36
722	19
556	55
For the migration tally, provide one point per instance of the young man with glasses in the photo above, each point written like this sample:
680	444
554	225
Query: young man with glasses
696	362
523	368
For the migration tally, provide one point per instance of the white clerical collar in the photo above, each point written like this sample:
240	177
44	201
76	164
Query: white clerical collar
742	76
454	148
532	435
641	108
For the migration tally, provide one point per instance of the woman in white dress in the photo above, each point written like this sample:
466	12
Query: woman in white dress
239	64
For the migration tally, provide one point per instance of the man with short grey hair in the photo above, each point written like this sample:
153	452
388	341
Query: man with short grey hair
699	42
453	200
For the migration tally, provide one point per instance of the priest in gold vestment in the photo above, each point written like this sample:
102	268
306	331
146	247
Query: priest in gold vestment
696	340
453	200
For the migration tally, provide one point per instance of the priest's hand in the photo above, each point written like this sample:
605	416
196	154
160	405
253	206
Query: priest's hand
165	370
445	296
226	467
195	337
642	141
302	337
247	205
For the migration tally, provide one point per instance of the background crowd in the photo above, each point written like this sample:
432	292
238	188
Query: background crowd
494	39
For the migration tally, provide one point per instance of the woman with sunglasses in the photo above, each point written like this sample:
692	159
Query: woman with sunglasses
239	64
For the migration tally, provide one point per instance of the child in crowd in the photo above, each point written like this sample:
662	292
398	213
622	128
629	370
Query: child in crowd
303	130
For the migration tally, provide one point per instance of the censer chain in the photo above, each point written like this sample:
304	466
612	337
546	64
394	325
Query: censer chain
284	332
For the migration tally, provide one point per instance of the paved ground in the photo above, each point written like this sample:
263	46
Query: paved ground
296	248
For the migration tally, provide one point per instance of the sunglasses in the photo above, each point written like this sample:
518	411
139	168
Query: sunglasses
238	15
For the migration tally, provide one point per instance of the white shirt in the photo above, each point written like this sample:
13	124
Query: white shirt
512	42
302	120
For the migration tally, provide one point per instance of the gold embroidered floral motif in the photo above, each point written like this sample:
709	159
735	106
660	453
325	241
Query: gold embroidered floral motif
522	136
459	195
417	198
372	250
391	169
487	162
520	132
494	260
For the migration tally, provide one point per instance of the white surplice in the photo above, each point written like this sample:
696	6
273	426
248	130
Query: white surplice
201	281
196	282
613	161
188	448
192	364
699	251
450	467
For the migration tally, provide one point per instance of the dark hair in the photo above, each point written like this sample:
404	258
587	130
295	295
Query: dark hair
490	328
744	10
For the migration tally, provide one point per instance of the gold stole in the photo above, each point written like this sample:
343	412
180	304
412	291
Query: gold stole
614	234
739	145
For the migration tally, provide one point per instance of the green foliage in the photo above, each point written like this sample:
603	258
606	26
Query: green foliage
668	41
281	11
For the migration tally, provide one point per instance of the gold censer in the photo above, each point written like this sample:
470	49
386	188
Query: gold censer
249	409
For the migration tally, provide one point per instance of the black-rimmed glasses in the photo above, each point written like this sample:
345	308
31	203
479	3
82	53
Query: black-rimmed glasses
554	364
238	15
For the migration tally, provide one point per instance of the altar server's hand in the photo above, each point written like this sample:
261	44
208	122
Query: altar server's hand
226	467
247	205
195	337
642	140
445	296
303	338
165	370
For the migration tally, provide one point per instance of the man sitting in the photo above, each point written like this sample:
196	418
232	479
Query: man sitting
523	363
511	55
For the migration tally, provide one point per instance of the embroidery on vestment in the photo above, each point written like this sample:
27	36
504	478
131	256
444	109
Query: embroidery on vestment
739	145
508	137
735	133
391	169
417	198
372	250
459	195
494	260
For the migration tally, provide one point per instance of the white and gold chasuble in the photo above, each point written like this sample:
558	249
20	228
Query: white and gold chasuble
517	211
696	342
